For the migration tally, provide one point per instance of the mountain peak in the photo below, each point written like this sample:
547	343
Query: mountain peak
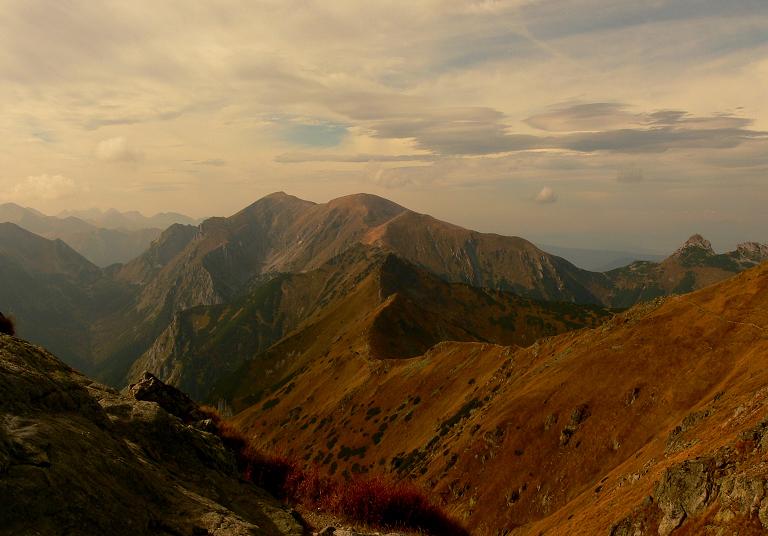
277	195
370	200
698	242
374	208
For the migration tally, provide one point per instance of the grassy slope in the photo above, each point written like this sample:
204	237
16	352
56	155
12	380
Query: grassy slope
569	433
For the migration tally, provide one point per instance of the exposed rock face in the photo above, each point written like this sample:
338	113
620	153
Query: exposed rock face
79	458
696	242
715	493
684	491
150	389
752	251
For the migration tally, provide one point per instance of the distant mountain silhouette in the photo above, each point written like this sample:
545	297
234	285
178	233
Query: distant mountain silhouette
102	246
130	220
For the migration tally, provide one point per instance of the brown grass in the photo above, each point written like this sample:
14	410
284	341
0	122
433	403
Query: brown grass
376	501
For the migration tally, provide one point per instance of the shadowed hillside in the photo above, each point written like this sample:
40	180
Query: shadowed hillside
55	294
382	306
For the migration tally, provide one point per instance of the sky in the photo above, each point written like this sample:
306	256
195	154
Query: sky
582	123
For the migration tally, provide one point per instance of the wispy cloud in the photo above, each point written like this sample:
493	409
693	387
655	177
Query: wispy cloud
414	98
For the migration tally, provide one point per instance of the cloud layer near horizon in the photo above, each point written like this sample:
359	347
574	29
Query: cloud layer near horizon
646	118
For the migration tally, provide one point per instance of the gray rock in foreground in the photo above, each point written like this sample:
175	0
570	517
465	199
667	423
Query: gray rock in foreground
77	457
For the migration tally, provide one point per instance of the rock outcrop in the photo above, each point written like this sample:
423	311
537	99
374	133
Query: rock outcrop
725	492
175	402
77	457
697	242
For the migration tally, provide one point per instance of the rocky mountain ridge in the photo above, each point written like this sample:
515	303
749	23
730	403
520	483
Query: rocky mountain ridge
223	260
383	306
78	458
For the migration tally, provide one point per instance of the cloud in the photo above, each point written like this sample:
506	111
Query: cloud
657	139
298	158
430	97
545	196
455	131
210	162
44	188
610	127
580	117
117	150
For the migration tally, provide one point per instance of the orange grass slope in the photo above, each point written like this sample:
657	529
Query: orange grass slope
567	436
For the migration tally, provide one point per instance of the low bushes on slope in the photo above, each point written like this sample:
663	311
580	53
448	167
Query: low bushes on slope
375	501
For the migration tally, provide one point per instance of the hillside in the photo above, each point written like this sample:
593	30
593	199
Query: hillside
381	305
281	233
79	458
568	436
54	293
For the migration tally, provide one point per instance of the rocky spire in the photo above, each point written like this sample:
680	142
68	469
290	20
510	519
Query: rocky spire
696	242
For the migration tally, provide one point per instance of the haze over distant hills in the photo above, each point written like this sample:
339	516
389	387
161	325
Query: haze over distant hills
225	261
103	238
129	220
597	260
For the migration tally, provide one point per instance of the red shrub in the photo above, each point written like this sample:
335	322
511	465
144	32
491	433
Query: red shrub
312	489
381	502
375	501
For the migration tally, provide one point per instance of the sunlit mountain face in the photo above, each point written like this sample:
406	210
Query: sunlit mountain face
448	267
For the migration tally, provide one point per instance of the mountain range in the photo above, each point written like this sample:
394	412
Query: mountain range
131	220
104	238
322	252
362	337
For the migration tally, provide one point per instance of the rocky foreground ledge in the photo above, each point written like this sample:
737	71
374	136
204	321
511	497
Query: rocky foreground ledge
77	457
